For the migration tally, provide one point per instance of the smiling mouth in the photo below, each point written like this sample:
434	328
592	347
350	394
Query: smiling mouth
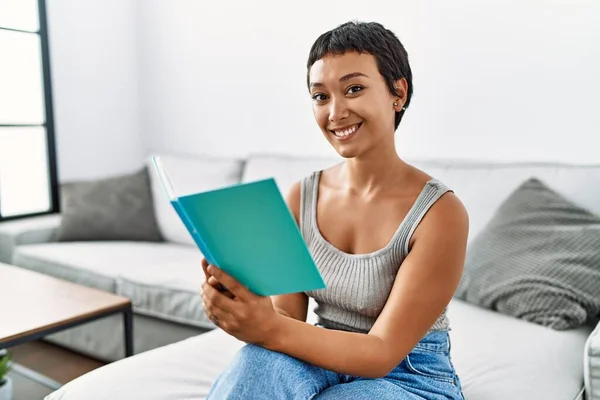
347	133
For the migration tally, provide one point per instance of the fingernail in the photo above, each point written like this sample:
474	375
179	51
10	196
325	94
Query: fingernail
210	268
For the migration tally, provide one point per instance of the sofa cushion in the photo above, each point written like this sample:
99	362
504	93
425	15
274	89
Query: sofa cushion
114	208
161	279
182	370
41	229
591	365
497	358
188	175
537	259
285	170
171	290
93	264
501	357
482	187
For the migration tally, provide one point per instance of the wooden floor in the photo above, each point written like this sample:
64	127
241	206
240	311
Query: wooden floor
55	362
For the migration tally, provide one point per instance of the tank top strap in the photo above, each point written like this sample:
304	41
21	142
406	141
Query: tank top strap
431	193
307	204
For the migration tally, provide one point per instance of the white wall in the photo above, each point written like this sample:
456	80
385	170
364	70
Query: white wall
93	53
496	80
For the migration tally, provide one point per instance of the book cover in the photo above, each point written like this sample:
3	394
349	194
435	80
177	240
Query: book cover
248	231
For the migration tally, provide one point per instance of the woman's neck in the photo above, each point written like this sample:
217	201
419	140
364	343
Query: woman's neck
374	172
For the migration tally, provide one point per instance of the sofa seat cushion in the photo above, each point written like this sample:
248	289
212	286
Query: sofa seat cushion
161	279
501	357
170	291
182	370
496	356
41	229
93	264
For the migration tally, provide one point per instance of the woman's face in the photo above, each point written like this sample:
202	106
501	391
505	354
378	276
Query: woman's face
352	103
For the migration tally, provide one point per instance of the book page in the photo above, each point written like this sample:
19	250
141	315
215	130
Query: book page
164	178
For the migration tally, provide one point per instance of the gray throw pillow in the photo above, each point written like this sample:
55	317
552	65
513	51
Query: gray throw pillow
537	259
114	208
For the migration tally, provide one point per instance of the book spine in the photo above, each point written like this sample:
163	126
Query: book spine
194	232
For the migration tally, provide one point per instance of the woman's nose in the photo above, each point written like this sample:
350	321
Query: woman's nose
338	110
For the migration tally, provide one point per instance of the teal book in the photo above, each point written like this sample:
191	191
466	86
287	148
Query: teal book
249	232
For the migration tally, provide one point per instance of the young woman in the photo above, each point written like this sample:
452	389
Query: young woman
389	240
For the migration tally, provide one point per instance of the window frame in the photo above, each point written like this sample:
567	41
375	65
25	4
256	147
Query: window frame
49	116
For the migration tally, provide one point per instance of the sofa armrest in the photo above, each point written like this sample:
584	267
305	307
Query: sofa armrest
591	365
32	230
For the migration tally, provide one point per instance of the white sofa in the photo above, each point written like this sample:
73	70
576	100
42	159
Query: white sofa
496	356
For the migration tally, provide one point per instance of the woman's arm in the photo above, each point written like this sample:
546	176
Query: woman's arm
424	286
294	305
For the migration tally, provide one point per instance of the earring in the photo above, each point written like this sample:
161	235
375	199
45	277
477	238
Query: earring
395	104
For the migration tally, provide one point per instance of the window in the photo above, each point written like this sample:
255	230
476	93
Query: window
28	177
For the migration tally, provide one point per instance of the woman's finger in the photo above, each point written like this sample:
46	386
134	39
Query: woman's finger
205	306
218	299
204	267
212	310
212	281
236	288
211	313
210	306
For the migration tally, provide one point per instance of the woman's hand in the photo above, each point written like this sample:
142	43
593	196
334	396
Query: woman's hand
238	311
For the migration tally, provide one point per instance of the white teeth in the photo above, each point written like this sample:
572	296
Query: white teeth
346	132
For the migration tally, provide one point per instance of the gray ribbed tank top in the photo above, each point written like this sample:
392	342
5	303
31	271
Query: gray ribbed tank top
358	285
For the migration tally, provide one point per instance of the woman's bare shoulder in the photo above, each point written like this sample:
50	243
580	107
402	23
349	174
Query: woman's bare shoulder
447	214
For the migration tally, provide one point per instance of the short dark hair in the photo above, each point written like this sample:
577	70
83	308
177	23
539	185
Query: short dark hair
371	38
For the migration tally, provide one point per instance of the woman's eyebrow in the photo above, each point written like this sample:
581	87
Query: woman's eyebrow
352	75
342	79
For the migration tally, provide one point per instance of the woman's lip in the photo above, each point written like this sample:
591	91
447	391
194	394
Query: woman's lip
350	136
344	127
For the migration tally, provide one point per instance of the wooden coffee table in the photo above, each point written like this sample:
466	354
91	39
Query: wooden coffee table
35	305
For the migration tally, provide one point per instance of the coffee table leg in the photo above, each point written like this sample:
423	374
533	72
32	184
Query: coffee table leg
128	324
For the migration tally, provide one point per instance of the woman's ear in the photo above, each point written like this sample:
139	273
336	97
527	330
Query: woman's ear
401	87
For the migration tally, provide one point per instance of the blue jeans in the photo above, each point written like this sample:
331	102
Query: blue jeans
258	373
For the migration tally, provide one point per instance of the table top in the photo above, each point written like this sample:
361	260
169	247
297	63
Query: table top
31	302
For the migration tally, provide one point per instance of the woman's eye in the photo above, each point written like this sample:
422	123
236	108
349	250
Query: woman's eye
319	97
355	89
